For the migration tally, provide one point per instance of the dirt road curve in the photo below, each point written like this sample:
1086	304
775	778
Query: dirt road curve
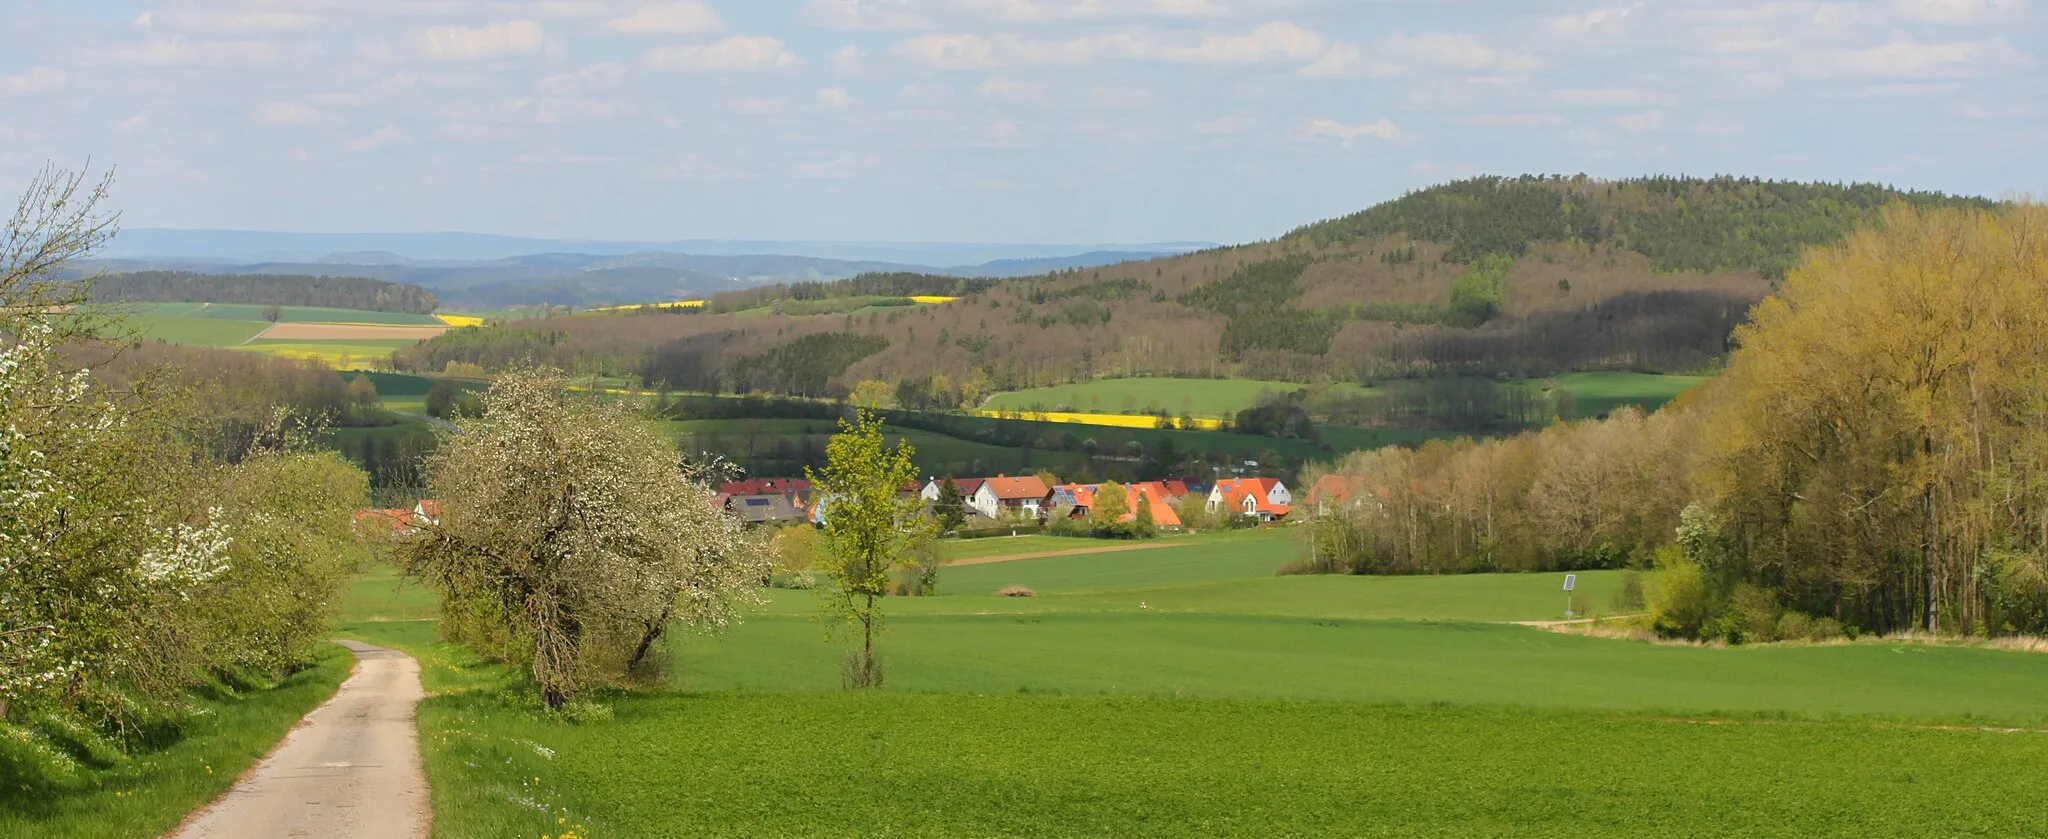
350	770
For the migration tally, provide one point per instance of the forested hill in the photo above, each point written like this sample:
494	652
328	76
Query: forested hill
264	289
1491	276
1681	224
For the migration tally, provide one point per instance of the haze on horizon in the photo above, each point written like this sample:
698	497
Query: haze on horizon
983	120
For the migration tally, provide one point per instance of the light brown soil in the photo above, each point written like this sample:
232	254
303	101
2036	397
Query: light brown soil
347	332
988	560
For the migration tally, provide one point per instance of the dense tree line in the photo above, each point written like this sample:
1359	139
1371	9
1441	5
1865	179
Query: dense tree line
142	560
1873	457
1680	223
264	290
885	285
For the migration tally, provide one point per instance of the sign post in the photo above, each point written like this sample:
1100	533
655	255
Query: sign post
1570	580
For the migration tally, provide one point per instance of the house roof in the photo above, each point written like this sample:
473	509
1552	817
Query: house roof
396	521
1017	489
1262	486
1149	494
754	509
967	486
766	486
1335	489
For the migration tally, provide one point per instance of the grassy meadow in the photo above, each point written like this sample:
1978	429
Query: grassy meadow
148	794
1232	703
1595	394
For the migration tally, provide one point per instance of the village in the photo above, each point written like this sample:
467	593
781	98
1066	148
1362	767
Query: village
1000	503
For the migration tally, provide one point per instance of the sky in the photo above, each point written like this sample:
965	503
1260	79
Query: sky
1083	121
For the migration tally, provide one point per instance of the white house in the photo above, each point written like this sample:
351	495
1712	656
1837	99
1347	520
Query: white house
1270	489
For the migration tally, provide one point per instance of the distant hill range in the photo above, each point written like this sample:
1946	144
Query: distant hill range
476	271
1490	277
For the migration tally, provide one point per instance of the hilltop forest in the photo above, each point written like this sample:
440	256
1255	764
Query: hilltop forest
263	290
1501	277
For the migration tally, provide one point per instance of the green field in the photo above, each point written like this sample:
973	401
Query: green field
1199	397
310	314
195	332
1235	703
1596	394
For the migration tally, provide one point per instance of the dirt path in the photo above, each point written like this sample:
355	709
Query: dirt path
350	770
987	560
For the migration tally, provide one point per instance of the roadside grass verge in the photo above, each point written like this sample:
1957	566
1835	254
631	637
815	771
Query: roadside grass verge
147	793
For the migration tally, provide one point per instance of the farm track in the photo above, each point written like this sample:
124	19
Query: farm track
990	560
349	770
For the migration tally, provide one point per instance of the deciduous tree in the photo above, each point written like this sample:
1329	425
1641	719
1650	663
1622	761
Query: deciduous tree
870	526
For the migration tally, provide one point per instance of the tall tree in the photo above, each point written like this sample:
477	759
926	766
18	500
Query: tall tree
951	508
870	526
569	542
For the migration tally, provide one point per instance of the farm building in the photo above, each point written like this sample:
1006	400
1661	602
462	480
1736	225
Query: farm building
764	509
1266	499
1079	499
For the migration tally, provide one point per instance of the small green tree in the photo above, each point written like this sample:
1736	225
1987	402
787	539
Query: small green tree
362	395
273	312
951	508
870	526
1146	525
1112	503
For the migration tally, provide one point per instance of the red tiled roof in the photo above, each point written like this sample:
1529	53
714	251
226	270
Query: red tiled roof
1017	489
766	486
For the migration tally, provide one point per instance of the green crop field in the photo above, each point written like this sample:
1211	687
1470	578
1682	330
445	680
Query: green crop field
195	332
1199	397
1595	394
1234	703
313	314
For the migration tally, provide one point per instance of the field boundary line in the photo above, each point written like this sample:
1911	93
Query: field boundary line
991	560
253	338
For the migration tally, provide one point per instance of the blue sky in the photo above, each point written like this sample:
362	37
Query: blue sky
985	120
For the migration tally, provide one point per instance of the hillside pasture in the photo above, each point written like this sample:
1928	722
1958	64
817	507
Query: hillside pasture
195	332
313	314
1597	394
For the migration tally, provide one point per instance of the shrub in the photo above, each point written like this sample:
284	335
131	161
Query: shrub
1015	591
1629	598
1680	605
1752	617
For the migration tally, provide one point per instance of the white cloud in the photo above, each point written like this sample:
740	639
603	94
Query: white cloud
1010	90
1349	135
836	97
1225	125
841	166
1402	55
1638	123
1511	120
227	21
1608	98
689	17
285	113
925	95
737	53
377	139
1272	42
178	52
1909	58
33	80
863	14
601	76
1958	12
465	43
930	14
1604	22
